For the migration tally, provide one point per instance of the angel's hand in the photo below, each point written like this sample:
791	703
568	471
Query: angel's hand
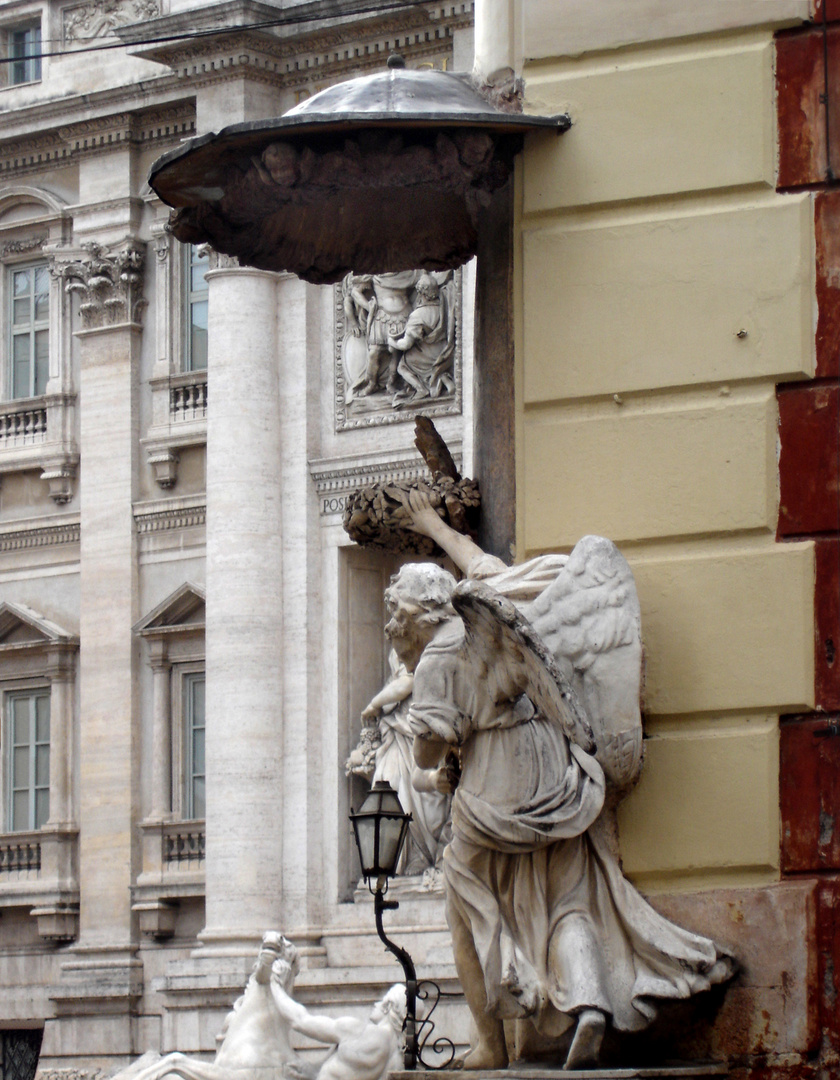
371	712
446	779
423	516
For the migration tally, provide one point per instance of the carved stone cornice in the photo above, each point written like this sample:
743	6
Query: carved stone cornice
162	126
109	282
296	53
161	518
43	535
334	482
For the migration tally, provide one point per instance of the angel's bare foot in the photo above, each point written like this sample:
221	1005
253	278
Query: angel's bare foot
586	1045
486	1056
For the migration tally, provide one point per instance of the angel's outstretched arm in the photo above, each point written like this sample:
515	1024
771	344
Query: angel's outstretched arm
393	693
425	520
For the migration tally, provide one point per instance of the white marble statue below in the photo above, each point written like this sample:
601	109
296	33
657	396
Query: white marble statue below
386	752
361	1049
255	1037
532	676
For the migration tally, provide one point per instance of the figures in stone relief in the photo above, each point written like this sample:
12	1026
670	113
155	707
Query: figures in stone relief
399	335
532	677
255	1036
427	344
362	1049
386	752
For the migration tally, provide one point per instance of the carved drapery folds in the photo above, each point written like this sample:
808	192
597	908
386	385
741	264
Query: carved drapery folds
110	284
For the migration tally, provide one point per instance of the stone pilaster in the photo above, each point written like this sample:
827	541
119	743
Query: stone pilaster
244	613
160	809
109	284
101	977
61	664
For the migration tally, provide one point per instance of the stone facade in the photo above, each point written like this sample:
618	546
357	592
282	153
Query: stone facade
153	543
671	300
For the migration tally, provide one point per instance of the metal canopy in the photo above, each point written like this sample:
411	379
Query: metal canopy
383	172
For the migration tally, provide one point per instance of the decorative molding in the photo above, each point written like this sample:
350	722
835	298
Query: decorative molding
167	125
69	1074
110	284
22	247
378	409
161	517
84	22
46	535
216	260
334	482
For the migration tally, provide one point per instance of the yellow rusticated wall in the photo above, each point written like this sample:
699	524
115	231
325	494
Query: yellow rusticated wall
663	289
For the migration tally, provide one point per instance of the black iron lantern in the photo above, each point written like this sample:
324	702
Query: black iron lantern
381	826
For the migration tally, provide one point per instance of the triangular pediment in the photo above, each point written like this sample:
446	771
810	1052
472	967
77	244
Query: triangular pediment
181	610
21	626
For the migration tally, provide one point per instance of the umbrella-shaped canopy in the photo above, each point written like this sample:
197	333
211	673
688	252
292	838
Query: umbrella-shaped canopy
383	172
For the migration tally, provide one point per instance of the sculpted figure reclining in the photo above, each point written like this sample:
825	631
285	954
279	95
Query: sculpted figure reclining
532	676
256	1035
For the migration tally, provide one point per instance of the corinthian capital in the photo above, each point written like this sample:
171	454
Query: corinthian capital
109	282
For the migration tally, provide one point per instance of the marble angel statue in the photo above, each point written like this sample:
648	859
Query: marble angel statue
532	676
386	752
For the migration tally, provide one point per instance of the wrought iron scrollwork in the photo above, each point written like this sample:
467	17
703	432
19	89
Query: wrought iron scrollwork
442	1046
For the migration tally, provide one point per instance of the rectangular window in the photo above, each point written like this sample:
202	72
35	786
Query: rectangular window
195	346
23	49
19	1052
28	760
194	739
29	320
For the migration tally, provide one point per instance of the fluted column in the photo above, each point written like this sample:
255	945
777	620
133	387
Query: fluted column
244	613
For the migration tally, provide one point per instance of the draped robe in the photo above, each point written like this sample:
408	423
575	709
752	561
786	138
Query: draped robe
556	926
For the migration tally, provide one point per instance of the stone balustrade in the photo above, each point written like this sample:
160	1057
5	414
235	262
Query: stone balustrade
22	425
188	397
183	842
20	853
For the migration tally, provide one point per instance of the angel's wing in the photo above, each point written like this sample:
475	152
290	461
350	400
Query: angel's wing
512	660
589	619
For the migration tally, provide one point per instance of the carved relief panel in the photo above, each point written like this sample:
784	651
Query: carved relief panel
397	347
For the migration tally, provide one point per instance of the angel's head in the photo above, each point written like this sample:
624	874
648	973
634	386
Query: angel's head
418	599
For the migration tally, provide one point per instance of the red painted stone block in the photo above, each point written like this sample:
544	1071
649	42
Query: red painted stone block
826	9
809	462
809	794
800	82
827	626
827	237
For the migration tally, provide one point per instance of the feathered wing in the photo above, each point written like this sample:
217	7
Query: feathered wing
512	660
590	622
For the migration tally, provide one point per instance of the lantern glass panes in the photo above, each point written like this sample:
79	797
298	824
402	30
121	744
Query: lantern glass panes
380	825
